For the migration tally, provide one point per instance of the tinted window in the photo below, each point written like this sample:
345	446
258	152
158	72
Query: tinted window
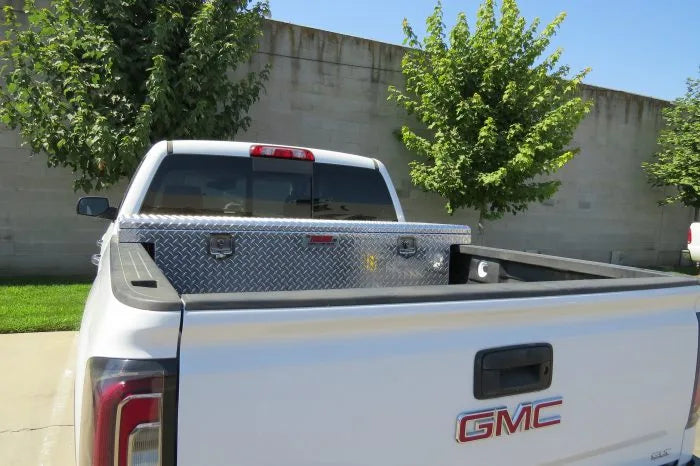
236	186
256	187
350	193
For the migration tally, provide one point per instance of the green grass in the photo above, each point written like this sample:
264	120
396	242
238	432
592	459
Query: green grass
41	304
689	270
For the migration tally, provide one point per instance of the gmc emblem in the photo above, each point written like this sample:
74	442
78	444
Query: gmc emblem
494	422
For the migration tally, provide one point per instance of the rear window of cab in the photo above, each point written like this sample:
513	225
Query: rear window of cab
264	187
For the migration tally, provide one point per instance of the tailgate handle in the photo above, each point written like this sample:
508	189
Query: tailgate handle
510	370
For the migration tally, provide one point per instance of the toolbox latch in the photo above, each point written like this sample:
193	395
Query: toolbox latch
407	246
221	245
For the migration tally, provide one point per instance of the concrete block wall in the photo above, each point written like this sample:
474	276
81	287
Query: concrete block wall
329	90
40	234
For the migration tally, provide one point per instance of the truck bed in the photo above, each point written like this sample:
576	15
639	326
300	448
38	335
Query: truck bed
138	282
392	375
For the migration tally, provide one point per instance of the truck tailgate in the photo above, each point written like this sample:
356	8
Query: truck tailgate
385	384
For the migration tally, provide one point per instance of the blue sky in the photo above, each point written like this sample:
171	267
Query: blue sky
646	47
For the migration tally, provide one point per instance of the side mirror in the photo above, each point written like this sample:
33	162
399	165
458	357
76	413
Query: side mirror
96	207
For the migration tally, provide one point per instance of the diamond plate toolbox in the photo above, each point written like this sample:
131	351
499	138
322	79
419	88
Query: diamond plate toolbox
230	254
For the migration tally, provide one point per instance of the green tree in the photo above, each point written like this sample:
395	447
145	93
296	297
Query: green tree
94	82
677	163
497	115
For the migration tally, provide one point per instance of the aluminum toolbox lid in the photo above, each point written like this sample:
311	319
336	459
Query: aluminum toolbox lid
191	222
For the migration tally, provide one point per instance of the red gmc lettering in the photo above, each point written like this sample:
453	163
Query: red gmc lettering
550	421
494	422
483	423
522	413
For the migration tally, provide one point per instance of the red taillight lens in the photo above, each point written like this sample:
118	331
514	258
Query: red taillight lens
690	235
139	430
121	407
280	152
129	413
695	404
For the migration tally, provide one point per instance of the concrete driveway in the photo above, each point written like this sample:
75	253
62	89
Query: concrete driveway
36	411
36	399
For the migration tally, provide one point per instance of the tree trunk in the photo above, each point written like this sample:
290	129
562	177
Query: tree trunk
480	227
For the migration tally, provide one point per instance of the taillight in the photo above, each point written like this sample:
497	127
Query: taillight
129	413
695	404
281	152
690	235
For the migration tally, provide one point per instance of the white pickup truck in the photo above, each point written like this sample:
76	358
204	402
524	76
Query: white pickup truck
266	305
694	242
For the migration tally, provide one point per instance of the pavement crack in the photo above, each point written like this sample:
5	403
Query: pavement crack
28	429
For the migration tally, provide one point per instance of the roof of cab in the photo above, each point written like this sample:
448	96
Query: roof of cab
242	149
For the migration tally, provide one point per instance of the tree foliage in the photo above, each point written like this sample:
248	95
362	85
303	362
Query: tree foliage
677	163
94	82
497	115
